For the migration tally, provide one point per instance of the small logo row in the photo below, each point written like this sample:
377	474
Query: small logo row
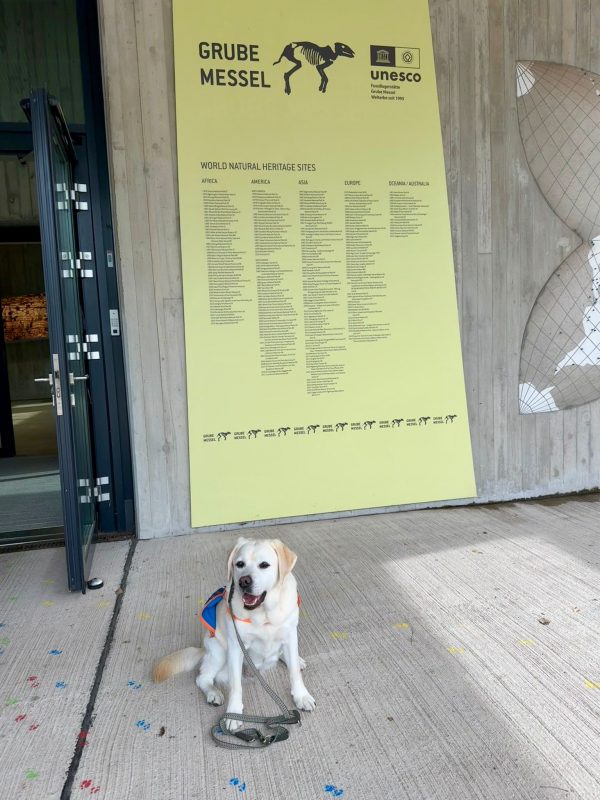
337	427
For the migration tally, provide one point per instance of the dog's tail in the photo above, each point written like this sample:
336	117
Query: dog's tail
181	661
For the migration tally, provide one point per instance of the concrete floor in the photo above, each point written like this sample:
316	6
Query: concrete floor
453	655
30	497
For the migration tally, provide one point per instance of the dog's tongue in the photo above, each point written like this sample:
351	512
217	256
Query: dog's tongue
251	600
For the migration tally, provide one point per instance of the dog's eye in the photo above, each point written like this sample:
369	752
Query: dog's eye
264	565
240	565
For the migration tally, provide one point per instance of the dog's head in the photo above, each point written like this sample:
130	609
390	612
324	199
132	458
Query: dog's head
258	567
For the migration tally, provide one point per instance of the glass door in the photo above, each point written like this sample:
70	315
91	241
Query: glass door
70	347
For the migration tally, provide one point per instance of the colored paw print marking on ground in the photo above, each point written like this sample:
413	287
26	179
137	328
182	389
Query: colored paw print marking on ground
21	717
142	724
338	635
34	727
4	640
47	603
334	791
144	616
526	642
88	784
592	684
134	685
54	652
12	701
103	603
82	739
456	650
238	784
400	626
60	685
49	581
2	624
31	774
33	682
13	598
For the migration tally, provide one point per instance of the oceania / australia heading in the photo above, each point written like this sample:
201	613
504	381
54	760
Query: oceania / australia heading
221	76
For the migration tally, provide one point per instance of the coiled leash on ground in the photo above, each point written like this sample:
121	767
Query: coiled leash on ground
253	737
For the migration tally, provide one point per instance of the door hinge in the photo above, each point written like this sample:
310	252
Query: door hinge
77	191
84	272
86	492
74	351
91	338
94	493
68	272
100	495
61	190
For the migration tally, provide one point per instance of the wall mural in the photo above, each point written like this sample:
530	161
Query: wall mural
559	120
25	318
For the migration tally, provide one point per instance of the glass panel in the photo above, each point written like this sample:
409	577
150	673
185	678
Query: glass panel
39	47
30	496
74	385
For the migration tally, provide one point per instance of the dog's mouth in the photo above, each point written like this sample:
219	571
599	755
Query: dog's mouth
253	600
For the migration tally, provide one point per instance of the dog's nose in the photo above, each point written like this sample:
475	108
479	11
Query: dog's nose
245	582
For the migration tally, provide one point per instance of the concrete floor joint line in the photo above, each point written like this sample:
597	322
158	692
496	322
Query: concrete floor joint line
88	716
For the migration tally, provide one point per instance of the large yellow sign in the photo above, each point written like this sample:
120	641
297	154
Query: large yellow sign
323	353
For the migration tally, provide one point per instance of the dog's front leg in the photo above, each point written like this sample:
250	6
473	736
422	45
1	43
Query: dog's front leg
235	662
302	698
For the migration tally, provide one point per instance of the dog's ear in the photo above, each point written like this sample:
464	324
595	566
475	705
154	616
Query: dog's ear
239	544
285	557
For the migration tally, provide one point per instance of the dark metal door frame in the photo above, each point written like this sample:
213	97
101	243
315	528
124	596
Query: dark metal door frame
115	393
109	399
54	151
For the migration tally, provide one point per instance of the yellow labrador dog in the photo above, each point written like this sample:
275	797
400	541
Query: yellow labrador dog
265	605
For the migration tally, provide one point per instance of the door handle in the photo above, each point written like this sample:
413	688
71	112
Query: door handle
72	379
57	386
54	380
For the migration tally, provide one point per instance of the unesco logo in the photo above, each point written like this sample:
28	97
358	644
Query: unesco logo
385	56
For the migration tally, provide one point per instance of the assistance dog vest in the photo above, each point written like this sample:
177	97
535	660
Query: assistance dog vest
208	615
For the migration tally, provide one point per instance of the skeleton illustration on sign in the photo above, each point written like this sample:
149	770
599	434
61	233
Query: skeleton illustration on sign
300	53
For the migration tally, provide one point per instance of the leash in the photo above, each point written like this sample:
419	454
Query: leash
253	737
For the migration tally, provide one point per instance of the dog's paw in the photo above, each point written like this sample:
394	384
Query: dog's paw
214	697
233	724
304	701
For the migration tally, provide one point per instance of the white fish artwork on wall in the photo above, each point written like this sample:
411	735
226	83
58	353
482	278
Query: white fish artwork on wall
559	121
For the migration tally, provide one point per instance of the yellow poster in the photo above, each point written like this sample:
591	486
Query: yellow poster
323	354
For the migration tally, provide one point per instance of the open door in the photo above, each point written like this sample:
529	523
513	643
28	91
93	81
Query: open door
70	347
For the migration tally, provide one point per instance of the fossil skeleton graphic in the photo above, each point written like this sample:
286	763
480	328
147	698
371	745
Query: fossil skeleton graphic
300	53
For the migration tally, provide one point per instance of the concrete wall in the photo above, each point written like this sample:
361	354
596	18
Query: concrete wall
507	241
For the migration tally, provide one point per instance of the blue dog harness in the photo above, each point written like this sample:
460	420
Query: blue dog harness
208	615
